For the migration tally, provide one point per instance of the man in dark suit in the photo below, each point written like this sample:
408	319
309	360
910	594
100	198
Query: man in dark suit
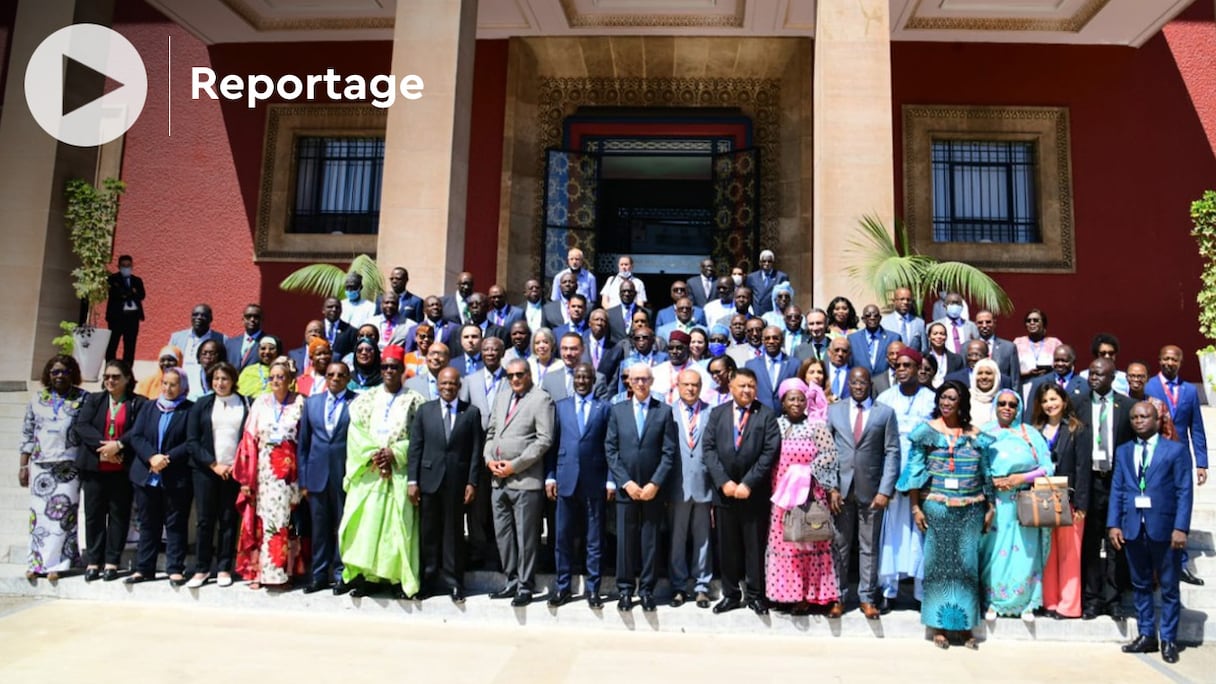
1000	350
976	350
124	310
1150	515
838	366
576	311
445	330
690	494
555	313
322	465
867	448
479	316
409	305
620	317
881	382
1062	375
640	348
456	306
469	359
741	444
596	343
773	367
242	350
299	355
339	333
815	344
868	346
499	311
1108	415
641	447
444	465
577	480
703	287
519	436
762	281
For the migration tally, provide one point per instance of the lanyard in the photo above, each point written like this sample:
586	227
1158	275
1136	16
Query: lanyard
1143	466
278	415
958	433
57	404
112	424
335	405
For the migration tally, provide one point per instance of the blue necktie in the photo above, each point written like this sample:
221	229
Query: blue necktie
640	410
582	415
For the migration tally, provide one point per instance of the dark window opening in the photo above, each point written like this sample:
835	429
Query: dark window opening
985	191
337	185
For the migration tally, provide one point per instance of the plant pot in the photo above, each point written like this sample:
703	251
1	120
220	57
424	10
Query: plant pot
90	351
1207	370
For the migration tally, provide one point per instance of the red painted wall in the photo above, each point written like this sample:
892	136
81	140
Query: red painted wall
1140	156
485	161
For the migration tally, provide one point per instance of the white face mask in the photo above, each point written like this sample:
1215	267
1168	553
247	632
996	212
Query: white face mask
738	280
626	274
954	310
125	271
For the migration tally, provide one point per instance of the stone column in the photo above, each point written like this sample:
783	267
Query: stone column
36	262
426	157
854	162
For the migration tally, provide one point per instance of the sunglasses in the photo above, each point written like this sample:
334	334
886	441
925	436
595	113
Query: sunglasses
112	376
252	316
905	364
516	375
278	377
391	367
60	371
641	338
1007	404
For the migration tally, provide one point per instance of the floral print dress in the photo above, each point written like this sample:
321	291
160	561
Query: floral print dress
266	463
54	480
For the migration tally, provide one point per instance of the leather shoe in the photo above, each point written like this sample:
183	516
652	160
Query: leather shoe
625	604
109	575
349	587
559	598
1141	644
595	601
92	575
870	611
1190	578
728	603
836	610
679	598
521	599
504	593
1169	652
648	605
758	606
457	595
1089	614
136	579
363	590
314	587
702	599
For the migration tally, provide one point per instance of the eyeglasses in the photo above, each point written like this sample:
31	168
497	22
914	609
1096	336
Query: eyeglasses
905	364
252	316
112	376
339	375
1007	404
278	377
516	375
392	367
1034	320
641	381
641	338
56	372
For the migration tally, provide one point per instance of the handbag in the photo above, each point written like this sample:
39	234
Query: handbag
810	522
1046	504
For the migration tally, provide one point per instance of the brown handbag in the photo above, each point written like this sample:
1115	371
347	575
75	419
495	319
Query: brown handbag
1046	504
810	522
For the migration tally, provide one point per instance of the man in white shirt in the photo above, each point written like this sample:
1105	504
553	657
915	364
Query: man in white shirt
357	310
585	278
533	307
610	295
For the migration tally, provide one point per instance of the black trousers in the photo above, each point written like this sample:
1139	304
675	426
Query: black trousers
216	521
168	510
1104	571
637	544
742	536
125	328
441	536
107	515
325	513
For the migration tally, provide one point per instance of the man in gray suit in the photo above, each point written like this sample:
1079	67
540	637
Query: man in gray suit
904	321
867	447
519	435
691	495
959	330
190	339
481	389
560	384
886	379
1000	350
425	382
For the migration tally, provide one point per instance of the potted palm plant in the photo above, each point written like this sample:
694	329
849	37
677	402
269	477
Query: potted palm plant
1203	216
91	215
884	268
327	280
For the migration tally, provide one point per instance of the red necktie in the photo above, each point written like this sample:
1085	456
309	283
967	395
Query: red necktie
859	423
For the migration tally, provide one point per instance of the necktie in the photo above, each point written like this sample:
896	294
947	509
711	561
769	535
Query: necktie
330	329
692	426
991	347
859	423
873	348
448	413
773	368
903	330
640	414
431	387
838	381
582	414
958	343
1102	423
1060	380
818	350
1143	464
741	423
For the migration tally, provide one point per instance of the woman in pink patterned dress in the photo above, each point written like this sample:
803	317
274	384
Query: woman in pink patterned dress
801	574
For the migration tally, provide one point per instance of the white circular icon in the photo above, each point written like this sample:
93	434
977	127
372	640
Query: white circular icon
92	122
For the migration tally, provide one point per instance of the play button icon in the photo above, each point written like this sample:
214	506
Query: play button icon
86	50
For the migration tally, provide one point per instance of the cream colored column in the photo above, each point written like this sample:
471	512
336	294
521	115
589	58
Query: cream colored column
426	157
854	164
36	262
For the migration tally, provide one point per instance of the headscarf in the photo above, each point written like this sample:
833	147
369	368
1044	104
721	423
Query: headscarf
150	386
367	376
816	400
1018	449
915	356
316	343
982	402
679	336
779	288
166	405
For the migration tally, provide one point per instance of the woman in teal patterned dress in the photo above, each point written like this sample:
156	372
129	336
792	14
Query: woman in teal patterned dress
947	482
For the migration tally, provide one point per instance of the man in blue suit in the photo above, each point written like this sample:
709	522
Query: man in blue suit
762	281
1182	400
322	464
691	494
577	480
773	367
679	290
868	346
501	313
641	448
1150	514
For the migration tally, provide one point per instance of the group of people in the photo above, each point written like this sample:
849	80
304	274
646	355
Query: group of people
697	432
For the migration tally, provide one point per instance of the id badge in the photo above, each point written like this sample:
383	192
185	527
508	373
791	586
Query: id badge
951	483
1143	502
1100	460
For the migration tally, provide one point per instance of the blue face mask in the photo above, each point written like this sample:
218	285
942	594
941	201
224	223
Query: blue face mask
954	310
125	272
352	295
717	348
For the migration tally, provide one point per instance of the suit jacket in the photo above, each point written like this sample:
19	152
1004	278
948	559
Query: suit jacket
1167	484
640	459
617	329
553	314
1186	416
421	383
120	294
88	429
689	479
954	362
762	292
579	464
181	340
174	445
881	383
916	330
871	466
451	309
610	365
321	454
409	305
512	314
1006	356
524	439
461	364
344	337
1072	454
300	356
860	354
696	290
200	435
232	348
766	391
489	329
446	332
474	388
1122	427
751	463
967	331
435	455
1075	385
561	330
806	350
555	384
668	315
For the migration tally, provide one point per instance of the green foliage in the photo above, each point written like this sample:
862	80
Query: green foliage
327	280
66	343
1203	216
90	216
884	268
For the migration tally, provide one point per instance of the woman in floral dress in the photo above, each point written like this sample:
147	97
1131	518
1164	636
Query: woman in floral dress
265	467
801	574
48	468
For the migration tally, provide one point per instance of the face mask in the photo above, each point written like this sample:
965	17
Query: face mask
125	271
352	295
626	274
954	310
738	280
717	348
